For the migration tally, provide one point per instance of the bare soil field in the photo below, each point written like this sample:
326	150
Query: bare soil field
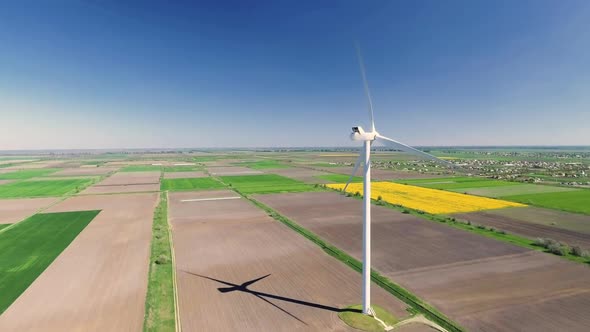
559	219
85	171
124	188
126	178
481	283
299	173
240	270
184	175
99	281
15	210
231	170
35	165
530	229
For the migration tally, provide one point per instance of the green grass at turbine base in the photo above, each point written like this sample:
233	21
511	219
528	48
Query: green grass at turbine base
360	321
28	248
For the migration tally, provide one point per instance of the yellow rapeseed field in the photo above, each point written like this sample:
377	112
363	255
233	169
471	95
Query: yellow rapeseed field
428	200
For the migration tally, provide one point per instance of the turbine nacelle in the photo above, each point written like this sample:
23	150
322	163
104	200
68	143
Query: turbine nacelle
358	134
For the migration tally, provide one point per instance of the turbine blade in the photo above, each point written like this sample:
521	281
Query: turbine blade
366	85
356	167
406	148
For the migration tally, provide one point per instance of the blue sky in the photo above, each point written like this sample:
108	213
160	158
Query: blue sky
102	74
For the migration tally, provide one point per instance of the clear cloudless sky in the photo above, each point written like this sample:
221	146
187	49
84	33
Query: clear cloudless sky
133	74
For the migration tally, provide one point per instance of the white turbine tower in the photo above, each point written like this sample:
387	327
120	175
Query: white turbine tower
358	134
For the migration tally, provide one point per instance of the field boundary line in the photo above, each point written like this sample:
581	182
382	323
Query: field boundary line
177	325
209	199
393	288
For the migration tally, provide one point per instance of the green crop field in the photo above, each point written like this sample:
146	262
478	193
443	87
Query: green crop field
42	188
141	168
521	189
573	201
2	226
190	184
266	183
339	178
457	182
28	248
262	164
181	168
27	174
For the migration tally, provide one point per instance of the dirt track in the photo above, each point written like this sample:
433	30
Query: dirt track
483	284
528	229
234	242
15	210
99	282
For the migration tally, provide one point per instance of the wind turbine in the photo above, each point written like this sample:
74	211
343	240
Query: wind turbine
358	134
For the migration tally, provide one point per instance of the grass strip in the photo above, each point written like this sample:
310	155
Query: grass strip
398	291
29	247
159	304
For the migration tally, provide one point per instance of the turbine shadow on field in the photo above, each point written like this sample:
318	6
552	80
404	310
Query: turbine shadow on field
261	295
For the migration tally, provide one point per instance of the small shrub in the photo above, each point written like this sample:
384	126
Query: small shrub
162	259
540	242
501	231
469	222
557	249
481	226
357	194
492	229
379	198
578	251
405	211
420	212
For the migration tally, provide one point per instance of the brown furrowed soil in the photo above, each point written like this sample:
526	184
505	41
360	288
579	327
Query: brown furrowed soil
15	210
232	170
483	284
99	281
530	229
124	178
547	217
184	175
298	173
222	245
85	171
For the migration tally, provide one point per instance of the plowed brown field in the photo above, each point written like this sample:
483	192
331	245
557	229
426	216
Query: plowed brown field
15	210
222	243
531	229
482	284
99	281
